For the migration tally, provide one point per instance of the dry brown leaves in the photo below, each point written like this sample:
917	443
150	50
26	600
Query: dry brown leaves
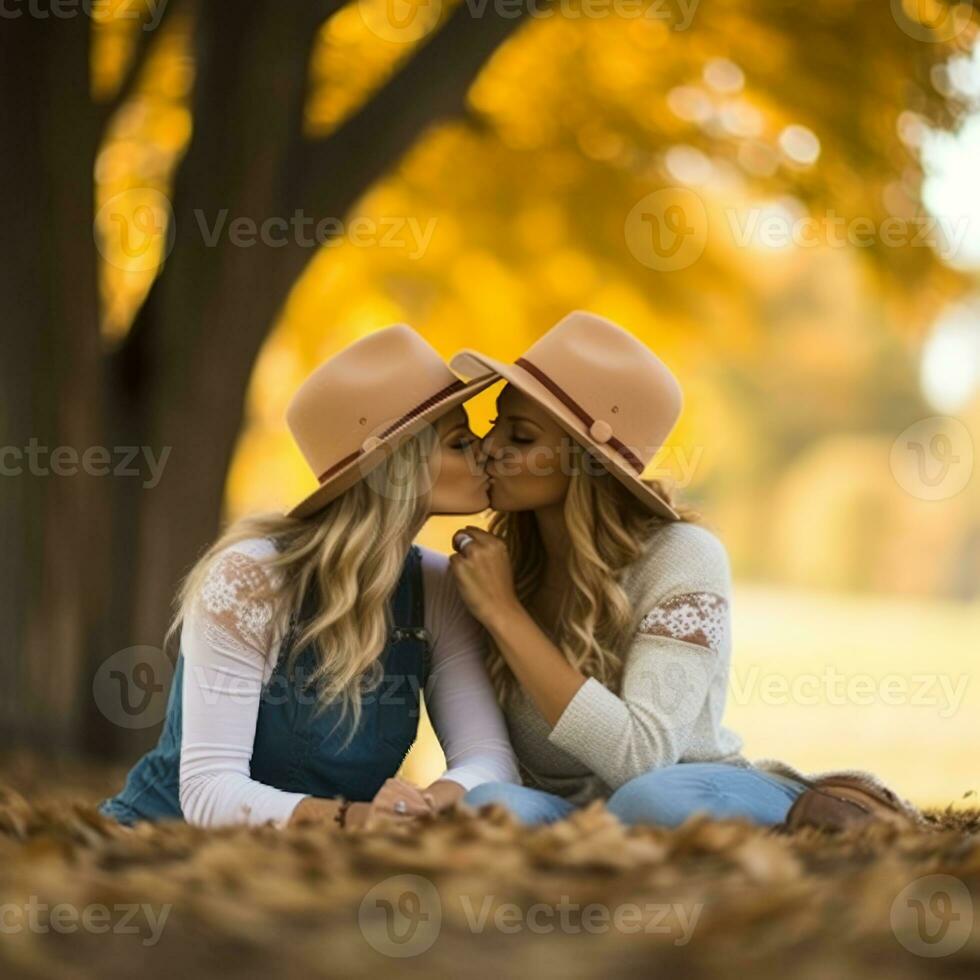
586	897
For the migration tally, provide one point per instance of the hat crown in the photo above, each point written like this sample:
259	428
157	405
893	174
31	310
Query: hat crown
625	388
363	390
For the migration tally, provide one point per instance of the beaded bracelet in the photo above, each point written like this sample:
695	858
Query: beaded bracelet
341	815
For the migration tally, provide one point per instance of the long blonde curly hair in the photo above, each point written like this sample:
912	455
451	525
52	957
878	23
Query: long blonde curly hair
352	553
608	530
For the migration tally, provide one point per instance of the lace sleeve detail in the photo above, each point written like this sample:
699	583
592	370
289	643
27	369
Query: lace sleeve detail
236	605
701	618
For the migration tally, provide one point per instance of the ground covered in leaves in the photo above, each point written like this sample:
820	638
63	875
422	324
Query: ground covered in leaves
473	896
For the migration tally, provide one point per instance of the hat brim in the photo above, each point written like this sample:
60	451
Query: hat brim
470	363
359	468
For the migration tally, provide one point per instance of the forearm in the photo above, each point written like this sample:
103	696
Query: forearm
221	693
615	739
460	699
539	666
210	797
650	722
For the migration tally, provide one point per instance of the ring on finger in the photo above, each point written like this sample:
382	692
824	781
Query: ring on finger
461	541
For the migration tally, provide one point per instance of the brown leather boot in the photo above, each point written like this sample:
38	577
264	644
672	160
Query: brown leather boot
842	802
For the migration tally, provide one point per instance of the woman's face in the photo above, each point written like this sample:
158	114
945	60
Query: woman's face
528	455
459	483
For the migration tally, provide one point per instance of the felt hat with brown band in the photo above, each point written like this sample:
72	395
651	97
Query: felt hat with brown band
367	400
611	393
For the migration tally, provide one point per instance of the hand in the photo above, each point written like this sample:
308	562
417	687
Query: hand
357	816
446	793
483	573
397	791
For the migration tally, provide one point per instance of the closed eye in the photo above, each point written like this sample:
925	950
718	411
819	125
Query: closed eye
513	436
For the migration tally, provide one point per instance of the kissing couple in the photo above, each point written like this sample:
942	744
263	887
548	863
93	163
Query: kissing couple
578	650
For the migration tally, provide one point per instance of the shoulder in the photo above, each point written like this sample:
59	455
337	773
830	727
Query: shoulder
232	610
682	587
239	573
258	549
249	554
682	540
680	557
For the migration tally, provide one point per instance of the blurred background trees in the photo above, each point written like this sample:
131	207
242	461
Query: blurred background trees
510	168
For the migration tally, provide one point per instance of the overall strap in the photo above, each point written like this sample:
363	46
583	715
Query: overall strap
408	607
408	600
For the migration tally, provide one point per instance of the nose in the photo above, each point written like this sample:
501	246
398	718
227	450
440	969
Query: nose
488	447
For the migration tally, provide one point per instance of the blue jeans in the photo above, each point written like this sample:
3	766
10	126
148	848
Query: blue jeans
664	797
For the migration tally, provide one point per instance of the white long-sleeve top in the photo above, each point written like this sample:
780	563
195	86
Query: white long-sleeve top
230	649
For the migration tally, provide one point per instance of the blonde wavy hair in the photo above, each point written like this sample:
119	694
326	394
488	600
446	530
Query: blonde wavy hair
608	530
352	553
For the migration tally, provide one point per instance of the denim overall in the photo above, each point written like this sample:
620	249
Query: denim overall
295	749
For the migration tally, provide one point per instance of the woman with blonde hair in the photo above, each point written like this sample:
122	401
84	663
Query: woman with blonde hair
607	607
306	639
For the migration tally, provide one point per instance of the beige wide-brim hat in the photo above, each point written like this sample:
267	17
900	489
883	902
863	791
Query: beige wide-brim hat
366	401
610	392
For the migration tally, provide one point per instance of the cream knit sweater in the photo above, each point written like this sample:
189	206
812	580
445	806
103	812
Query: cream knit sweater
671	700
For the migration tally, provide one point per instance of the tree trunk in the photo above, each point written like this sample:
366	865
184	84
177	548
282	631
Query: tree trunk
51	564
89	564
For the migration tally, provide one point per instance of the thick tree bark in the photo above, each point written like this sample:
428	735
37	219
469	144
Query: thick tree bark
51	562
